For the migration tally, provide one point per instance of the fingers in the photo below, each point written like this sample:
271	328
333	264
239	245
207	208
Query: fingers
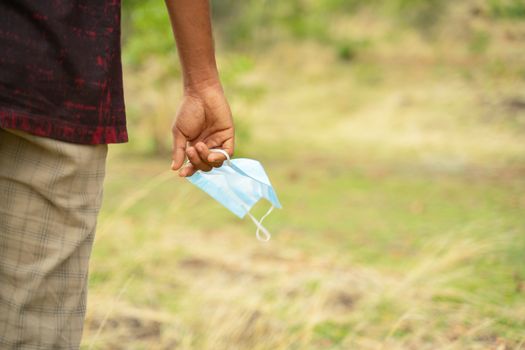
196	161
215	157
204	153
187	170
201	158
179	147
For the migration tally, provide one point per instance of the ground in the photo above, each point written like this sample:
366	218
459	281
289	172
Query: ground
402	176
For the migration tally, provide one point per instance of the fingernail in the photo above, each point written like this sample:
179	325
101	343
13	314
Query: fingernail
173	165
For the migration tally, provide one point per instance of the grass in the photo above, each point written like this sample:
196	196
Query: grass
403	226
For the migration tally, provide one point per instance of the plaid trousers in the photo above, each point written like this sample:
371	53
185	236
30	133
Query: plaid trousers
50	196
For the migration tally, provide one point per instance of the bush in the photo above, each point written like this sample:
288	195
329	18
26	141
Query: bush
513	9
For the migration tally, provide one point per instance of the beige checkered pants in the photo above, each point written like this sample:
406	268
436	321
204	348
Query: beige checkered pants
50	195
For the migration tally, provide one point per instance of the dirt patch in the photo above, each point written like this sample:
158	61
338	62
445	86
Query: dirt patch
129	327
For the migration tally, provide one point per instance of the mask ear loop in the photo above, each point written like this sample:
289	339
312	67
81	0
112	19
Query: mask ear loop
215	150
260	227
257	223
218	150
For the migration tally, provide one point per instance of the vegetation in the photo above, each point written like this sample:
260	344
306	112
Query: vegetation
393	133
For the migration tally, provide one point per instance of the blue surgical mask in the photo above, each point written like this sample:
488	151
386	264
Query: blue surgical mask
238	184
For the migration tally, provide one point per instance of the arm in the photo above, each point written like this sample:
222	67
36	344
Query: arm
204	118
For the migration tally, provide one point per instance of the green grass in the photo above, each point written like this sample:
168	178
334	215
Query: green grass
403	227
411	244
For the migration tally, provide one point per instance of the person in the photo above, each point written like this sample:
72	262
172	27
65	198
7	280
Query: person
61	104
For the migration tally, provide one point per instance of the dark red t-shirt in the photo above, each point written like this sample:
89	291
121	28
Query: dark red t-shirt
60	69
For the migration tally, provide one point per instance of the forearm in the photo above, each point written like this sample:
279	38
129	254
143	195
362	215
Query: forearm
191	23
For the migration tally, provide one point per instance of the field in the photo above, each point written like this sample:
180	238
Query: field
402	176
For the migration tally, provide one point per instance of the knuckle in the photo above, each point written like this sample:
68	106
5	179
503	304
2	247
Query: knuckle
193	157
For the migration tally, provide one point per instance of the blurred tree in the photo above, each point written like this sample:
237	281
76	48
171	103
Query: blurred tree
254	24
249	27
146	31
514	9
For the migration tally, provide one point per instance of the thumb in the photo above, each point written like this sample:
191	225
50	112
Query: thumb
179	148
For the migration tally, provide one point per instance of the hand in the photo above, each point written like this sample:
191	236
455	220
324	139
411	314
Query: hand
203	121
